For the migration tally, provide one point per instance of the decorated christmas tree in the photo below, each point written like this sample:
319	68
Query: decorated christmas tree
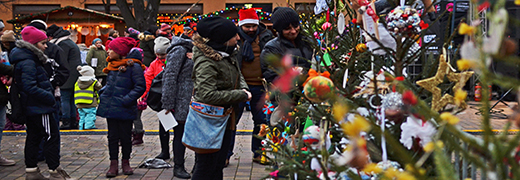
359	114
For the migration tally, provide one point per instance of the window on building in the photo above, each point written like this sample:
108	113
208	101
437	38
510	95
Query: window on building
114	10
304	7
22	10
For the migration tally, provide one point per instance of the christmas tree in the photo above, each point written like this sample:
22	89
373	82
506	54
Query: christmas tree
358	114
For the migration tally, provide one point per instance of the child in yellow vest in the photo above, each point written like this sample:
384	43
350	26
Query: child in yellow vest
86	98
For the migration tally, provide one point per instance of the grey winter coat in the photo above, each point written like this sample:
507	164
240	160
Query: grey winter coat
177	83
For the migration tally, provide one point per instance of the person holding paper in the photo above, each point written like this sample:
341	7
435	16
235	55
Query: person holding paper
176	97
96	58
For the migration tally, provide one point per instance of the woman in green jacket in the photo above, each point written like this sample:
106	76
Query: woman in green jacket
96	57
218	82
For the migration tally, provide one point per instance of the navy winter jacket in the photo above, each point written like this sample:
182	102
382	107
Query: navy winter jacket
118	99
36	90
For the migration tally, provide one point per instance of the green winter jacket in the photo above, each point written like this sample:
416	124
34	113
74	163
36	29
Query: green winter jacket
101	55
215	77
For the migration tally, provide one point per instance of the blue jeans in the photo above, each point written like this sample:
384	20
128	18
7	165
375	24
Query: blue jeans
257	91
2	121
68	107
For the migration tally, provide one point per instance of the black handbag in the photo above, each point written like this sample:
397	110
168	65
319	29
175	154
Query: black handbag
155	93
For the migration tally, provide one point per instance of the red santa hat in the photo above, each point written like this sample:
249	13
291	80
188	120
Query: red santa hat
247	16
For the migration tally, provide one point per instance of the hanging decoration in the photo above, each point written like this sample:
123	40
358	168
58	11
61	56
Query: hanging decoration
404	21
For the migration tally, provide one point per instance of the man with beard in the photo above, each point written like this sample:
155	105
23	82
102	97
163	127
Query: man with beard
253	37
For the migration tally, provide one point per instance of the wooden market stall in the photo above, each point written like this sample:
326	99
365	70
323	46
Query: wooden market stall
86	24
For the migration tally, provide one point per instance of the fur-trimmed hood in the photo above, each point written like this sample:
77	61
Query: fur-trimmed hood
146	37
25	50
94	47
200	43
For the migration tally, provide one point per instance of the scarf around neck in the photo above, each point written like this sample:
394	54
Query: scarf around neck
114	64
247	51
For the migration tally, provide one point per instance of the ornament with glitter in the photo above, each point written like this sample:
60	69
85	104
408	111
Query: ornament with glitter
393	101
404	21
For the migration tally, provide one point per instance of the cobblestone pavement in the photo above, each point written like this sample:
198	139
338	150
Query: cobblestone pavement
85	155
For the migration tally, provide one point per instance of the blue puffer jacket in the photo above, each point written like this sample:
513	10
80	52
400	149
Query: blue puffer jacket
30	76
118	99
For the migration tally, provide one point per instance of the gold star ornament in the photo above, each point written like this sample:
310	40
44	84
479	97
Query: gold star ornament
444	70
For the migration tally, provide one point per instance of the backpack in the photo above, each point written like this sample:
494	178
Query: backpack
16	111
155	93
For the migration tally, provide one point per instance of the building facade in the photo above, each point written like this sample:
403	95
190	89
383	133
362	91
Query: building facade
168	10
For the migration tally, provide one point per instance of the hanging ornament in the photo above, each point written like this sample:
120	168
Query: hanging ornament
404	21
84	31
393	101
268	108
321	5
319	89
311	136
444	70
341	23
415	129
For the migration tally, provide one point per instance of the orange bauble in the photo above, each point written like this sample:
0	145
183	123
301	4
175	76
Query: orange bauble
319	89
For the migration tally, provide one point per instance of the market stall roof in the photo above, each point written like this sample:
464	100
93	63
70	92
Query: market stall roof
67	13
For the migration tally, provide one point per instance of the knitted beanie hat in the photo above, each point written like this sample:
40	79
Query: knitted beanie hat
132	31
165	27
135	53
8	36
283	17
39	24
33	35
122	45
87	72
161	45
247	16
217	29
94	41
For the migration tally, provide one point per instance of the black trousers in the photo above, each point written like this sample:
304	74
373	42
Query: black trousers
43	125
210	166
119	131
178	148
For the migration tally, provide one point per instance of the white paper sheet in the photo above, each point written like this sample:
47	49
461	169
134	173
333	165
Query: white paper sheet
167	120
93	62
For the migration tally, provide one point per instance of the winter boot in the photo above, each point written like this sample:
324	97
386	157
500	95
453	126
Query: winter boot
59	174
65	124
180	172
165	146
127	170
112	171
138	138
34	174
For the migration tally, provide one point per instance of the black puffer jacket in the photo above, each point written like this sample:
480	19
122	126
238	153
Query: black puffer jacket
61	73
4	94
71	55
279	46
30	76
118	98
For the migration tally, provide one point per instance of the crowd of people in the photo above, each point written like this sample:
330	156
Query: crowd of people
219	67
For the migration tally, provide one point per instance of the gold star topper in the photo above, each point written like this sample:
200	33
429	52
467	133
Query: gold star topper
444	70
